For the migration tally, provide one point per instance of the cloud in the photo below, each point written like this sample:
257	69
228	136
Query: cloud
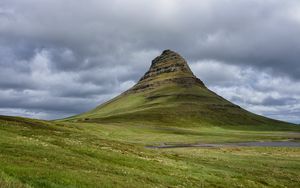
86	51
258	91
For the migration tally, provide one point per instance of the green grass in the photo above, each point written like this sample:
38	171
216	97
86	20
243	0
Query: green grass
37	153
175	105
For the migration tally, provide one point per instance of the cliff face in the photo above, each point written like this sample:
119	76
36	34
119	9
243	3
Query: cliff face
167	62
165	69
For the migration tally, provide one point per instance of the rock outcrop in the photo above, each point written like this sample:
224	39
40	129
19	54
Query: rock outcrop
168	68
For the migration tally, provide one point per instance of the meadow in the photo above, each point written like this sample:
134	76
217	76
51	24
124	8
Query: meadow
35	153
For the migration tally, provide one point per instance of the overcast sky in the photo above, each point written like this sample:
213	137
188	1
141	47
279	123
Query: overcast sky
63	57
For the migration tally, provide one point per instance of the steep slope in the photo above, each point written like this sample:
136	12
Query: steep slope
170	93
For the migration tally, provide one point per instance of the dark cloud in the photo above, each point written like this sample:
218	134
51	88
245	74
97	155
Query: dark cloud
85	51
279	102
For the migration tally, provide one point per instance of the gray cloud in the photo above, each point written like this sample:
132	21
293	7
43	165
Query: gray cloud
84	52
257	90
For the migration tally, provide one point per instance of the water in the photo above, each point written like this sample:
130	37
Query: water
237	144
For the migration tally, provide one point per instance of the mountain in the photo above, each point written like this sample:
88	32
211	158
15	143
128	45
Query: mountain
169	93
113	144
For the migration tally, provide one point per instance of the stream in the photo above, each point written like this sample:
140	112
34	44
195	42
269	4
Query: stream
237	144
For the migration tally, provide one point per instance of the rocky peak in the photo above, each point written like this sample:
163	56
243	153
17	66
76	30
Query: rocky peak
167	62
167	68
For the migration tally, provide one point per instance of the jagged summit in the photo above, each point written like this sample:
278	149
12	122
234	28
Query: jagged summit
167	68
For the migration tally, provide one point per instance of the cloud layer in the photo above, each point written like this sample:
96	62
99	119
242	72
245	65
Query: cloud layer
59	58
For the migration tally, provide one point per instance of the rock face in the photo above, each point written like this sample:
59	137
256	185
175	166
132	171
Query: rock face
167	68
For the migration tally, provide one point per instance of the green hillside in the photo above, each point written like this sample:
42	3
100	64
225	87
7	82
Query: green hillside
174	105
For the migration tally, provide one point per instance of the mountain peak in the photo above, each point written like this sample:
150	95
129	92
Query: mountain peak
169	57
167	68
171	94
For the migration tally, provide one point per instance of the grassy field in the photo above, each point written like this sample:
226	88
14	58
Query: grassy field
37	153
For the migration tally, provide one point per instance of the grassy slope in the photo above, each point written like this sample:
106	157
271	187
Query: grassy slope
177	106
59	154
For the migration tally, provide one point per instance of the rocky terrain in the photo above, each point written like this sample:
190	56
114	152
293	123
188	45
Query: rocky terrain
165	69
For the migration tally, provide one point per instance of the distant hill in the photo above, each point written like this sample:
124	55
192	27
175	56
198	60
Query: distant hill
171	94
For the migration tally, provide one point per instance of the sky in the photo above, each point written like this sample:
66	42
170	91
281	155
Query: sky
63	57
